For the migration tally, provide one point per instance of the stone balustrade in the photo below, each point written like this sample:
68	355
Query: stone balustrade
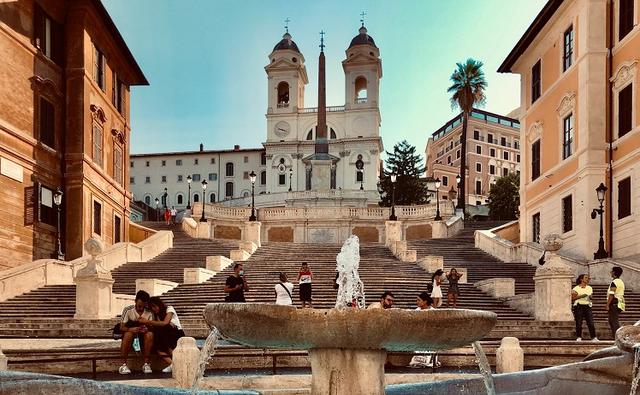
197	275
497	287
154	286
218	263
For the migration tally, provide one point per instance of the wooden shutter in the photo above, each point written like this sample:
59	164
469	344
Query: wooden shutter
625	110
57	43
38	26
624	198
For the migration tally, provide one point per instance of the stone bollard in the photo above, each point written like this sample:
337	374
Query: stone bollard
509	356
553	285
185	362
3	361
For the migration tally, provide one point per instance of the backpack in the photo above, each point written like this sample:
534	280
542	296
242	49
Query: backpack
117	334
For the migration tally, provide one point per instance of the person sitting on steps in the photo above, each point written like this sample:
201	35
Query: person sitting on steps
135	334
167	329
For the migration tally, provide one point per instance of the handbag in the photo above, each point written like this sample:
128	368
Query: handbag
288	293
117	333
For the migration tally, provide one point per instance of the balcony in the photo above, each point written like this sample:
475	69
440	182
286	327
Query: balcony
361	100
283	105
315	109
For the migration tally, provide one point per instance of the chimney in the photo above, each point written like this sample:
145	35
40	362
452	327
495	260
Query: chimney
201	147
236	147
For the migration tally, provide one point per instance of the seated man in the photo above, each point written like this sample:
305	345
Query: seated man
133	330
386	301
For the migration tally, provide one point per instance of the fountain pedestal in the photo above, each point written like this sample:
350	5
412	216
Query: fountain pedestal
347	371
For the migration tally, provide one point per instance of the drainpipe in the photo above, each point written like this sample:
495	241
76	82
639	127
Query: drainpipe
610	126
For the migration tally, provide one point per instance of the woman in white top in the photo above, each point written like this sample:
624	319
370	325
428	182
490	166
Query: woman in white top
284	290
436	293
167	329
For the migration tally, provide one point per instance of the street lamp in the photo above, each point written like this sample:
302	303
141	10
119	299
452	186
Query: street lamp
393	217
57	200
157	204
458	179
601	253
189	197
437	184
290	175
252	177
204	189
164	198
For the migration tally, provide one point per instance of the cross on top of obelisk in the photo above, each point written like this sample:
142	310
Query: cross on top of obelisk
362	15
322	41
286	24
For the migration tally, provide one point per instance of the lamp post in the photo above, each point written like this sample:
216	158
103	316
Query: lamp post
204	189
252	177
57	200
393	217
601	253
290	175
458	179
189	196
437	185
164	198
157	208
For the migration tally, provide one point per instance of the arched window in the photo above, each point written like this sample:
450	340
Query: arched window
147	200
180	199
361	90
310	134
283	95
228	190
332	136
196	198
245	194
263	178
229	169
212	198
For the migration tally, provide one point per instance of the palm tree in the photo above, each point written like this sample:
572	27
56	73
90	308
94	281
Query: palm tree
468	91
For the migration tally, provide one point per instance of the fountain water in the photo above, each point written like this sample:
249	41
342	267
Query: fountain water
636	374
485	368
350	287
207	351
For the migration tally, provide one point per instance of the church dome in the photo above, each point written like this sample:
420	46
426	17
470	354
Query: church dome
362	38
286	43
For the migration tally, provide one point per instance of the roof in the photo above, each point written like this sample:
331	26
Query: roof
140	79
205	152
532	32
286	43
478	115
362	38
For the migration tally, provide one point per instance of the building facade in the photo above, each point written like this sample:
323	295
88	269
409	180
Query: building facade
493	151
225	171
578	63
64	124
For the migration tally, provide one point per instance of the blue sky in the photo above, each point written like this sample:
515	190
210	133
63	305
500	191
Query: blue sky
205	62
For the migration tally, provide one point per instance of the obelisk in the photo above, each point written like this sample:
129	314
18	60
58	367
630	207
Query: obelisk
321	161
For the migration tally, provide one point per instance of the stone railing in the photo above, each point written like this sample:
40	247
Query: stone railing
374	213
137	232
220	212
284	198
43	272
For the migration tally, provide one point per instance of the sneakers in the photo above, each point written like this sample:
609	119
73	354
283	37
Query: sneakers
595	339
124	369
168	369
579	339
146	368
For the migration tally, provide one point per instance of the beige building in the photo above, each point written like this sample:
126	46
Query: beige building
578	63
493	150
64	124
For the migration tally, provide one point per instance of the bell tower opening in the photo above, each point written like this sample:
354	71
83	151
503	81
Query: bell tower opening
283	94
361	90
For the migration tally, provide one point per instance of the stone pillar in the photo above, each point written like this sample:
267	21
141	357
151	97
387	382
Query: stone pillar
509	356
3	361
93	286
185	362
392	232
347	371
252	232
439	230
553	285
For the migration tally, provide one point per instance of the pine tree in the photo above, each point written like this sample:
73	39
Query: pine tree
409	189
504	197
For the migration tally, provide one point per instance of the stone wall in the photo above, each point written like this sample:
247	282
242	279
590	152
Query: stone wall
418	232
366	234
227	232
280	233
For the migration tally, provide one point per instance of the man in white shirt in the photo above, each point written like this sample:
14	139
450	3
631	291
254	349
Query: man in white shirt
386	302
284	290
174	213
132	329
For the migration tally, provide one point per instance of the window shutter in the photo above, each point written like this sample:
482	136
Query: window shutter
38	26
57	43
625	110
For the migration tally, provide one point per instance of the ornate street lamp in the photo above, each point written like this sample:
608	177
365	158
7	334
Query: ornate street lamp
157	207
57	200
360	170
601	253
437	185
204	189
164	198
290	175
189	197
393	217
252	177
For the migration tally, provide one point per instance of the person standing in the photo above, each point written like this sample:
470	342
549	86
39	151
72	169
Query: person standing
581	297
167	216
174	214
615	299
453	291
305	276
436	293
284	290
236	285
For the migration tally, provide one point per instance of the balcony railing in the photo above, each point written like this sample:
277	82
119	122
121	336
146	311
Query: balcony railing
361	100
283	105
315	109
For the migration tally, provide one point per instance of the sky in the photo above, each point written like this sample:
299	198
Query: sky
205	59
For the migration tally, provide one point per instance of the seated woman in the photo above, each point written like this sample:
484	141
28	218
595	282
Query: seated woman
167	329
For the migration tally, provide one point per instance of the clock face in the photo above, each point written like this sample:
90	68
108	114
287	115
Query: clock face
282	129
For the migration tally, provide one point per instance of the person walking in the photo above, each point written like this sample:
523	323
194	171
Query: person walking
167	216
236	285
167	330
581	297
436	293
284	290
453	291
305	277
174	214
615	299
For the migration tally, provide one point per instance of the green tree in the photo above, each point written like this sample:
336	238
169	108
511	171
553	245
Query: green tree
467	89
504	197
407	165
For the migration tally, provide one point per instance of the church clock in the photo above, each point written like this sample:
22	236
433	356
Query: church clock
282	129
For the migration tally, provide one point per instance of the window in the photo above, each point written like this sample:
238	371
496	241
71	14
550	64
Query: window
195	161
478	150
567	137
476	135
99	68
535	227
117	229
97	144
117	165
449	159
516	144
228	189
163	163
213	176
213	161
147	180
505	171
163	179
503	141
567	55
479	167
625	110
458	154
47	123
178	162
490	138
625	18
492	152
229	169
567	214
624	198
195	177
49	35
180	199
196	198
131	164
445	180
180	178
492	169
146	164
132	180
212	198
147	200
246	159
47	211
478	187
518	158
282	180
263	159
535	160
535	82
263	178
97	218
505	155
245	175
117	97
